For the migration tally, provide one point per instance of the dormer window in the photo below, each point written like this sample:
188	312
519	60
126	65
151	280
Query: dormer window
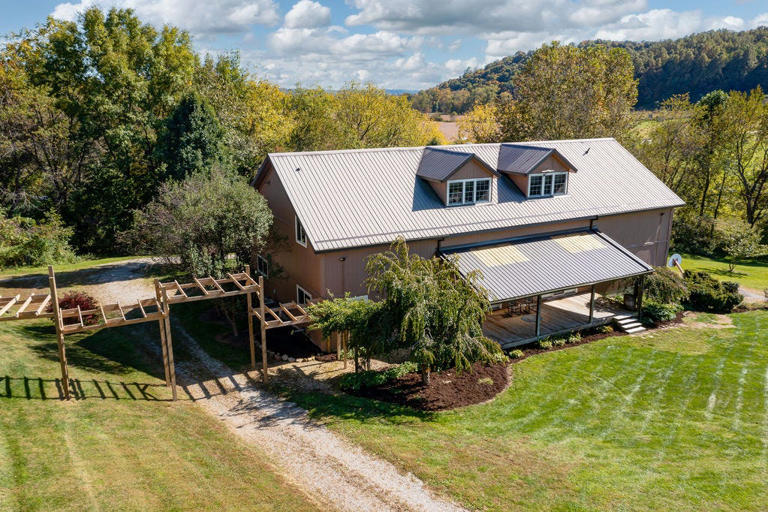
472	191
550	184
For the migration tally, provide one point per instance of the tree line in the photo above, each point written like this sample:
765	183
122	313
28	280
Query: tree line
696	64
96	116
712	152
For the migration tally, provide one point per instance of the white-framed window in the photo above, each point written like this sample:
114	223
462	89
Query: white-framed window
550	184
302	295
301	235
262	265
472	191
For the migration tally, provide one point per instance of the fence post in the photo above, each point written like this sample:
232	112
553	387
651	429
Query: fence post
59	333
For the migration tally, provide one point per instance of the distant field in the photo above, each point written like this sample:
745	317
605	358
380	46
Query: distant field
673	420
751	274
120	444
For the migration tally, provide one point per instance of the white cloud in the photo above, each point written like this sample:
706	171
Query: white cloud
197	16
307	14
483	16
664	24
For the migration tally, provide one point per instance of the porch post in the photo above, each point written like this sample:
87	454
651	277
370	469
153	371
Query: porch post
639	297
592	305
538	316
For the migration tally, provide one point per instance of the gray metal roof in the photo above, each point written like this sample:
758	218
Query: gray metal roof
438	165
546	264
354	198
522	159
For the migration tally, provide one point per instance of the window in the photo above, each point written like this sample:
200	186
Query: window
469	191
302	295
551	184
301	235
560	182
262	265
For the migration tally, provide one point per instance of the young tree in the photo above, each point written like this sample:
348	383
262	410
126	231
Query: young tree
432	309
741	241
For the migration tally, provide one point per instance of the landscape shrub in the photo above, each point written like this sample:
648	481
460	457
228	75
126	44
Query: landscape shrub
516	354
574	337
708	294
604	329
655	313
545	344
373	378
665	286
78	298
559	342
25	241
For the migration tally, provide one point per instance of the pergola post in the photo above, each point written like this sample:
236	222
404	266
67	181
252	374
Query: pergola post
263	322
59	333
538	316
592	305
169	341
251	342
161	325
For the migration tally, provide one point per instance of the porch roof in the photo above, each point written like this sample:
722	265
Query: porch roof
536	265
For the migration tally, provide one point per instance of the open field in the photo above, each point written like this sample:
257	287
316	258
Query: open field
673	420
120	444
750	274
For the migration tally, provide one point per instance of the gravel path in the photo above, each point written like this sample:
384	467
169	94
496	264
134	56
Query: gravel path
333	471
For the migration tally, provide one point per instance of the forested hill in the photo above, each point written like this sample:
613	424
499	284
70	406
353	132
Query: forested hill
696	64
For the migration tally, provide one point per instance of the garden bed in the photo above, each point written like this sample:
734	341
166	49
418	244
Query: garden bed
448	389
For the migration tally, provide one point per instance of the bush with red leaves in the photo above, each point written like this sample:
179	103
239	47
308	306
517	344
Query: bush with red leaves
73	299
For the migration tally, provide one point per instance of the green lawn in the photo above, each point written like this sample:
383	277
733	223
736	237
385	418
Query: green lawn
65	267
751	274
121	444
675	420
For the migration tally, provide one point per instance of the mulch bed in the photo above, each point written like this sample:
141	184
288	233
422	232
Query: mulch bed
447	390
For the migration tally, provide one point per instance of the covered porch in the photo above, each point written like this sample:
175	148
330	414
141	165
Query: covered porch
511	326
551	284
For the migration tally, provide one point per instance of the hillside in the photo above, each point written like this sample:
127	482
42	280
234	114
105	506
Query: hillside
697	64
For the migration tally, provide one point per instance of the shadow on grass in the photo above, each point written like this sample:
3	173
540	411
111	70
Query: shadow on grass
327	408
37	388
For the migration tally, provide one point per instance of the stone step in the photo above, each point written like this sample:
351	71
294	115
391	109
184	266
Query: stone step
625	316
634	330
630	325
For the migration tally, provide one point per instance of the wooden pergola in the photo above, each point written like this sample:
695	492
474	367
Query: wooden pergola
156	309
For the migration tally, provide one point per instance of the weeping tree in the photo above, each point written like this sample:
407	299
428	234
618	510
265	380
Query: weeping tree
429	307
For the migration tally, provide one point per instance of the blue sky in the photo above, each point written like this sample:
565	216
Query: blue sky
399	44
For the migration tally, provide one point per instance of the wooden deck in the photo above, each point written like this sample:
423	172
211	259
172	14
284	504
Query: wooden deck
556	316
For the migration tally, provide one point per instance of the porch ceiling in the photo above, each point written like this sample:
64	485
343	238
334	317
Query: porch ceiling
543	264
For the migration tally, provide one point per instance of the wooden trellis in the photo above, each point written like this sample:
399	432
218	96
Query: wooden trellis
156	309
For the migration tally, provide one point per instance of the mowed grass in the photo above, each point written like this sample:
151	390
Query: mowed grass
674	420
81	264
751	274
120	444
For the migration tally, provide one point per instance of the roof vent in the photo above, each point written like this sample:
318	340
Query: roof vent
298	169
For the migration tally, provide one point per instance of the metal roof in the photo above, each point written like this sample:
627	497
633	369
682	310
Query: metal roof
440	164
523	159
355	198
545	264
